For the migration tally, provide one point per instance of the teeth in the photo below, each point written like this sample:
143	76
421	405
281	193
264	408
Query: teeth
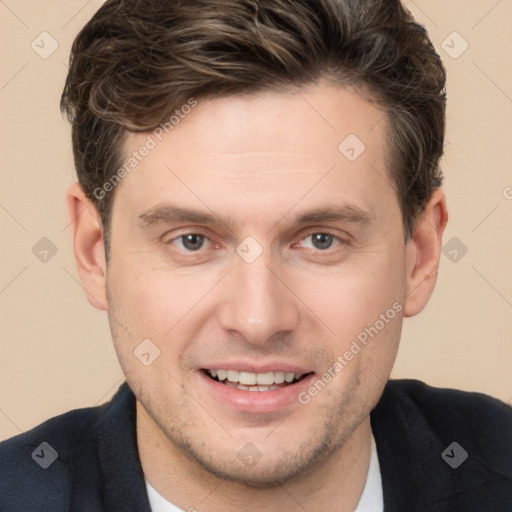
255	381
233	375
247	378
278	377
265	378
250	388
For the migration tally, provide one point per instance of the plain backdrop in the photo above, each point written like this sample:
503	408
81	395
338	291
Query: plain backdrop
56	352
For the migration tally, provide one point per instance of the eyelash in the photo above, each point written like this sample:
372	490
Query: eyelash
197	252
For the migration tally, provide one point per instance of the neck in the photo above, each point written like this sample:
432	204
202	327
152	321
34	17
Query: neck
339	479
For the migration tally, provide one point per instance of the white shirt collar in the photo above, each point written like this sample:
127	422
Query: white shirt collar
372	499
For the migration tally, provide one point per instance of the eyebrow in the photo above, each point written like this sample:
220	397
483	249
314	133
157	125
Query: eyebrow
168	213
344	212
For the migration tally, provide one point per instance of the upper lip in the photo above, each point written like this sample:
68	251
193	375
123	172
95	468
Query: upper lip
244	366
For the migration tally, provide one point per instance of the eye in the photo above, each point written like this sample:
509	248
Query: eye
321	241
190	242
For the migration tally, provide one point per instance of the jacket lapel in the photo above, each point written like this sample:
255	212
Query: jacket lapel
124	487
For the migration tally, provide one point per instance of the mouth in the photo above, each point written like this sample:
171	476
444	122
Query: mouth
249	381
243	386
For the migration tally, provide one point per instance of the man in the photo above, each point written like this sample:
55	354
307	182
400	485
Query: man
258	208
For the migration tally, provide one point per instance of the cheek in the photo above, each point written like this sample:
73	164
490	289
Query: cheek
363	308
351	297
164	306
145	306
153	297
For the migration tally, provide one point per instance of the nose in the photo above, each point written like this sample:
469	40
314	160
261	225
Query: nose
258	303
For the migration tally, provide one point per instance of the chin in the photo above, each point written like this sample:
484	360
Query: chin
285	466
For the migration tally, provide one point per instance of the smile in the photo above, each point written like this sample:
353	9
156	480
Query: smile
249	381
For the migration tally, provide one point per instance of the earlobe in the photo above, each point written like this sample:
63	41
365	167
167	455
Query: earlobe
423	253
88	245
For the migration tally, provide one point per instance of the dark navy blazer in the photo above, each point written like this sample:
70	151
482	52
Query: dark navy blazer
98	468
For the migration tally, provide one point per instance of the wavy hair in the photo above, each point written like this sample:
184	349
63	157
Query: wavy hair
136	61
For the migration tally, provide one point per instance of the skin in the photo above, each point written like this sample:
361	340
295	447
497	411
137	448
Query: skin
258	162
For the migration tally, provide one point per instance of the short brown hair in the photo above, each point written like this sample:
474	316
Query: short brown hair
136	61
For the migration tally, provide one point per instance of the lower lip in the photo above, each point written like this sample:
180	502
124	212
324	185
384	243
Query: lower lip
255	401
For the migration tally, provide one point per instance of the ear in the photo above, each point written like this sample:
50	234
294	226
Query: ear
88	245
423	253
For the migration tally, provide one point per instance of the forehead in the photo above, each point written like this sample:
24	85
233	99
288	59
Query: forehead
262	151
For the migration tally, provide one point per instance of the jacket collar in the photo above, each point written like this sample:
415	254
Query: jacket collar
413	424
124	487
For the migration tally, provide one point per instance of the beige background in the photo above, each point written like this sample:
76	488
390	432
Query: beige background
56	353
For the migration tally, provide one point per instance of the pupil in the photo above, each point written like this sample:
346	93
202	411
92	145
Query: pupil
322	240
193	242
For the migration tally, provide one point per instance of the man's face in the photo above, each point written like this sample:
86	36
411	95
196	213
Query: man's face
303	252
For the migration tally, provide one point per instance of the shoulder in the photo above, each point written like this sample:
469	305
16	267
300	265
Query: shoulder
40	465
438	405
448	446
483	421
